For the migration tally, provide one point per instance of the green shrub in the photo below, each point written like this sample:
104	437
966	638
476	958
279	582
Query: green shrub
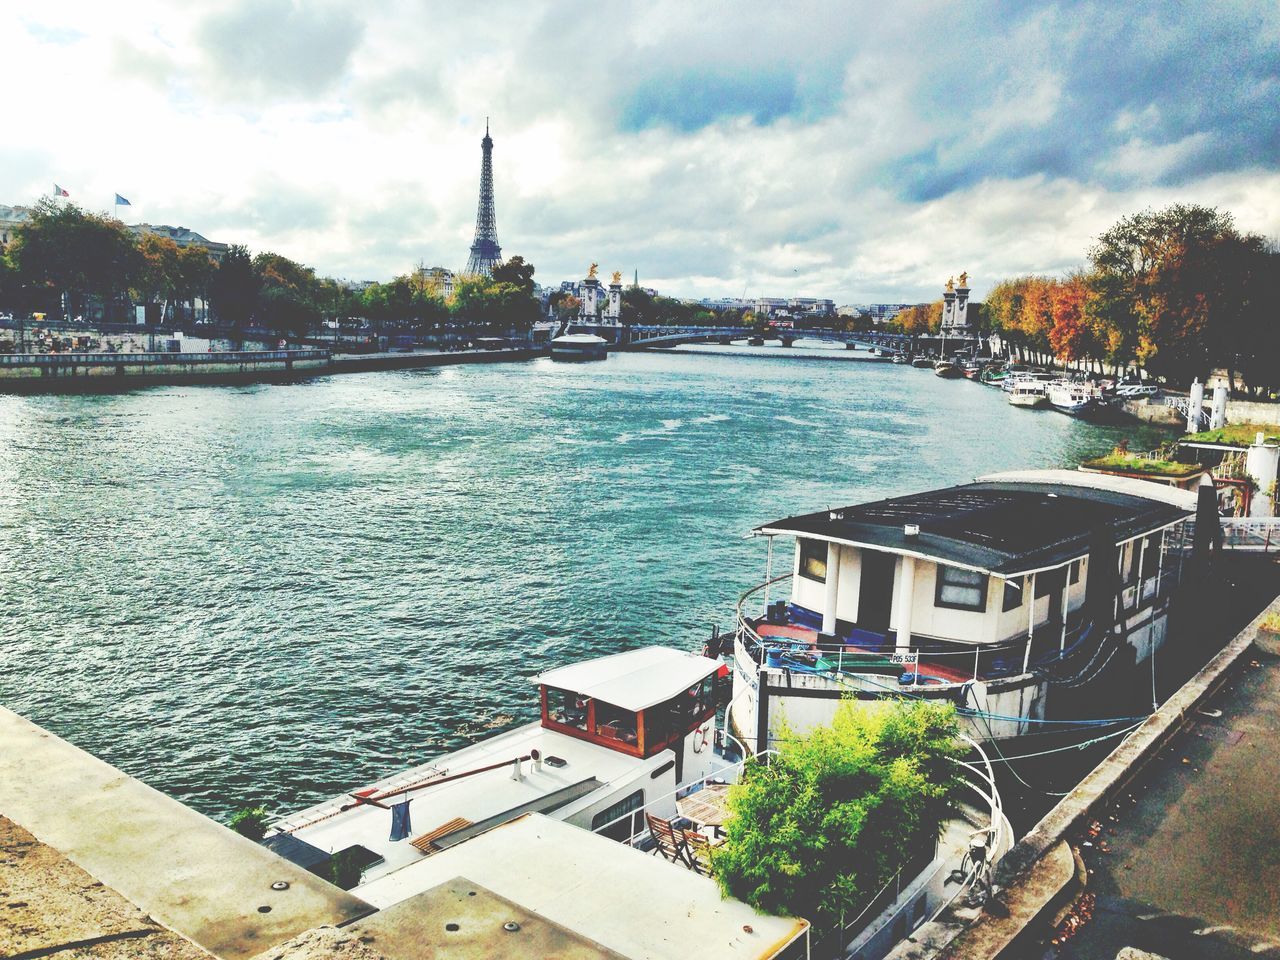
250	822
839	810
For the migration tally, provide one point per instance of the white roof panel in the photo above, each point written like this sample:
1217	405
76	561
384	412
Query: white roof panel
633	680
640	906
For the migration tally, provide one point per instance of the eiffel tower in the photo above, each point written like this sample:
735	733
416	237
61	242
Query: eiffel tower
485	252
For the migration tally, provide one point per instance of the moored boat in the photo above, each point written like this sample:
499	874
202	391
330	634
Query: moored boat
923	363
1028	393
947	370
998	595
900	358
618	735
579	346
1076	398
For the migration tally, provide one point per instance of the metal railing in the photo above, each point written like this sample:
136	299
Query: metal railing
240	356
1251	534
1002	659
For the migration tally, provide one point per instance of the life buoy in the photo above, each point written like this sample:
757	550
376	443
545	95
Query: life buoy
701	737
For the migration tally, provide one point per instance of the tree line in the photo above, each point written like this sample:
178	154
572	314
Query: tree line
1178	292
92	259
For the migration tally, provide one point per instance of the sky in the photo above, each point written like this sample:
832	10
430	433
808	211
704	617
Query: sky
861	151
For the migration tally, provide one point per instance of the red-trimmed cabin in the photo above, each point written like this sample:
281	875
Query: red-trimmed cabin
639	702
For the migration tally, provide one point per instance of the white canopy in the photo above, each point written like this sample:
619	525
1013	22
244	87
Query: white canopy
1182	499
633	680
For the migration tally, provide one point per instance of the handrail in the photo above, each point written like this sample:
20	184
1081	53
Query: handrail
233	356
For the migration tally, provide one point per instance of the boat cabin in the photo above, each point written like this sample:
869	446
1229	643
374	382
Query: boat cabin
639	703
986	586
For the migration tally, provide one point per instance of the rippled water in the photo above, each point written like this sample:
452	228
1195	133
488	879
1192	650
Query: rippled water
277	592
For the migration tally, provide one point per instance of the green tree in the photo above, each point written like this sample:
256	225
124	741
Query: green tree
491	307
65	250
195	273
233	290
287	303
515	272
821	828
157	279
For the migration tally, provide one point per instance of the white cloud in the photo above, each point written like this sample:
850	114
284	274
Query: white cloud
810	149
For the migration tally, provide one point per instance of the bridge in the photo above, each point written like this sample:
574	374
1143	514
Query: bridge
643	336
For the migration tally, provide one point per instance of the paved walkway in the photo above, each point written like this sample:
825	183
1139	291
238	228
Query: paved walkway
1186	863
50	907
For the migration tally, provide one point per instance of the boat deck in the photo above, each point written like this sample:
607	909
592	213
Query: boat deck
456	807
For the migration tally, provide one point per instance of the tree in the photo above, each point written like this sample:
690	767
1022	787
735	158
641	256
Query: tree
65	250
493	307
234	288
287	302
157	277
195	273
515	272
818	830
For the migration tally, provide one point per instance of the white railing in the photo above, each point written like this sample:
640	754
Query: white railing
1256	534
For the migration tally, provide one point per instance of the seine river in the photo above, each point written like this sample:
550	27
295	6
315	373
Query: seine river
274	593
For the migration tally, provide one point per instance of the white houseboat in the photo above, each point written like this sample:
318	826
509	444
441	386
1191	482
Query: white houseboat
579	346
990	594
618	735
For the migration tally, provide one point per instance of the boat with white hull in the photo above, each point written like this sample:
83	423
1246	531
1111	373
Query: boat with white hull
992	595
1076	398
1028	393
579	346
617	736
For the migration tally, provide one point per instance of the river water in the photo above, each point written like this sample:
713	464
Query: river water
274	593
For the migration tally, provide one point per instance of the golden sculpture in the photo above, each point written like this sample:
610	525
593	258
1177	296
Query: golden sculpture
951	284
591	274
964	279
617	276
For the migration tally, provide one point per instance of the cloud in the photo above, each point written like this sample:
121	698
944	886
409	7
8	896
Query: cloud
855	151
277	48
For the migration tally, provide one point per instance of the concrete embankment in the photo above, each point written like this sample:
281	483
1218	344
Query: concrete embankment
1035	877
87	373
365	362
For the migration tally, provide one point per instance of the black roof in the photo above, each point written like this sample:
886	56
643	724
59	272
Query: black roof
1003	527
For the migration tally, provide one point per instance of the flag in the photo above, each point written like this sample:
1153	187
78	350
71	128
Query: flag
122	202
59	192
400	823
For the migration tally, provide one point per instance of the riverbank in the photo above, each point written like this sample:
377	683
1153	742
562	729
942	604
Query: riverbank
107	372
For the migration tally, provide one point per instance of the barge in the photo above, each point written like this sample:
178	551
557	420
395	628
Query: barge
993	595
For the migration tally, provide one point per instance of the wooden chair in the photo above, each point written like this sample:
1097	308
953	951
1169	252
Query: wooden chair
670	844
698	848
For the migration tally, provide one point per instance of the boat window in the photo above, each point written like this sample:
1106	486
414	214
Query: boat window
614	723
813	560
960	589
1012	594
1075	570
567	708
625	828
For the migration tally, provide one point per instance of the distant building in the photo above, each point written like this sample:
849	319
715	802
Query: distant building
182	236
768	306
10	219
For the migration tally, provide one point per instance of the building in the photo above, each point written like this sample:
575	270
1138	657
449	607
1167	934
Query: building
10	219
183	237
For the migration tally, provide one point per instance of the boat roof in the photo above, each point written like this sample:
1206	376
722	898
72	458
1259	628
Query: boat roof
634	680
1006	524
466	804
637	905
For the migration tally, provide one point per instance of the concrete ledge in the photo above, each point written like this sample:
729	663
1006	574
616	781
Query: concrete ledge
1020	872
191	874
50	907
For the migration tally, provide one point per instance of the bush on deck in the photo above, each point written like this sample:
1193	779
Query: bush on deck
838	811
